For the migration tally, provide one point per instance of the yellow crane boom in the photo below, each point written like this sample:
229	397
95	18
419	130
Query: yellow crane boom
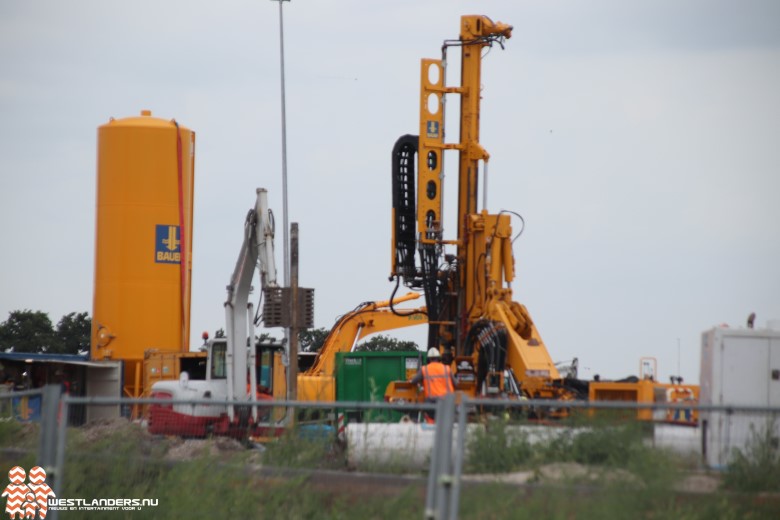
318	383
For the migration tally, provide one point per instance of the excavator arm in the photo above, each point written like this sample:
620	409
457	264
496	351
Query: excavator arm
256	253
318	383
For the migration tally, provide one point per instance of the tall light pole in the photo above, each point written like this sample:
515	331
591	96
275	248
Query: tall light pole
292	356
284	151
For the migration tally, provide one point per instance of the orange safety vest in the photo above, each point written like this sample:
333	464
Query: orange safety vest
437	380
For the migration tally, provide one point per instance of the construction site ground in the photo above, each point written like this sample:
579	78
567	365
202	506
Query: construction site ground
301	479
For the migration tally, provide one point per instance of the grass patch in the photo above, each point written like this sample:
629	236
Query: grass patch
596	452
570	502
756	467
18	444
235	493
496	448
113	459
301	449
15	434
625	476
207	487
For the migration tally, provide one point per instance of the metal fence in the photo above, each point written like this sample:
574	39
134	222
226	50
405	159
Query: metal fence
127	443
20	416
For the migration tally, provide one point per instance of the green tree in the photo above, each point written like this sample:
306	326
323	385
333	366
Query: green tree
310	340
265	339
27	331
382	343
73	333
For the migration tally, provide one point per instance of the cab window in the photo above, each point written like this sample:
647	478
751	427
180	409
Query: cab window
218	356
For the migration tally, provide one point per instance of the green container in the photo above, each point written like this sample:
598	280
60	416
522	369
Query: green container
364	376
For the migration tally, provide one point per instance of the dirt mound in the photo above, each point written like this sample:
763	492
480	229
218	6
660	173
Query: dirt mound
558	472
189	449
134	434
100	429
699	483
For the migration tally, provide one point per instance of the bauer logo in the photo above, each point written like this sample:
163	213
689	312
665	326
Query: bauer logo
432	129
167	244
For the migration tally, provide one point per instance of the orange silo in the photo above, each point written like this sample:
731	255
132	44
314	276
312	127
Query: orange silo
143	241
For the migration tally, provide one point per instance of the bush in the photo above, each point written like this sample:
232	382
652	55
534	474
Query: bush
496	449
757	466
313	449
18	443
113	457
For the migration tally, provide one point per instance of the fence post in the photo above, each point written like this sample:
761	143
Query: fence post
50	403
48	453
439	474
59	467
459	454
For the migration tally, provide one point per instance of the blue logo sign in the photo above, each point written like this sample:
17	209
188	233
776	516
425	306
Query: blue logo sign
167	244
432	129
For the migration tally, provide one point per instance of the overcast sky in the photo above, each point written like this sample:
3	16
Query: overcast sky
640	141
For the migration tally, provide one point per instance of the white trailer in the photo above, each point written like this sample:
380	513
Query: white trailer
739	368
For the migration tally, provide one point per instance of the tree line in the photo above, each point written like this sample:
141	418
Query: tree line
33	331
311	340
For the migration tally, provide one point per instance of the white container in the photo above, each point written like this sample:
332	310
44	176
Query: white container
739	367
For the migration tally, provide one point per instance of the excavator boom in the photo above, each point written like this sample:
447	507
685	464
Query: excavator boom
318	383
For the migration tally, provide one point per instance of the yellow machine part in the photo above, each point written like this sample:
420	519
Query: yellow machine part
279	390
316	388
165	366
143	243
647	391
640	392
430	155
319	382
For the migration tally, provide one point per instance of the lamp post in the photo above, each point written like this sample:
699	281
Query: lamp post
290	343
284	151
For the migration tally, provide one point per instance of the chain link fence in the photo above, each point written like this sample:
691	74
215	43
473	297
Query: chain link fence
293	459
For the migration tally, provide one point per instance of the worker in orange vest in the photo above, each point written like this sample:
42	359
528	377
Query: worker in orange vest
436	377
